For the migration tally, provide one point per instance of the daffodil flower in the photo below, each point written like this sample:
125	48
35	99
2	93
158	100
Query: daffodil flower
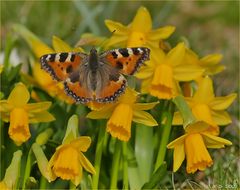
19	113
139	32
43	79
206	107
160	75
68	160
122	113
193	146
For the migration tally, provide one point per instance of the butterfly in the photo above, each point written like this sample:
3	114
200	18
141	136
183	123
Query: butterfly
94	77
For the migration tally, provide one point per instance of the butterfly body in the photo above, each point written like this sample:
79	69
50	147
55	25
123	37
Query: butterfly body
94	77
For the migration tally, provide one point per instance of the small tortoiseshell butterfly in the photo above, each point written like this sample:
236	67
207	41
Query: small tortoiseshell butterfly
94	77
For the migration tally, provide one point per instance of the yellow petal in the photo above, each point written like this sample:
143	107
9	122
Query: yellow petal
142	21
197	127
145	72
81	143
178	156
116	27
211	59
213	141
221	117
119	127
197	154
176	142
144	106
175	56
5	106
43	116
144	118
205	93
37	107
177	118
222	103
76	181
187	72
145	85
86	164
103	113
19	96
19	126
202	112
118	41
38	47
59	45
161	33
66	165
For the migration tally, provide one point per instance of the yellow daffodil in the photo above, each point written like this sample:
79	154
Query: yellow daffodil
210	63
160	75
193	145
19	113
68	160
139	32
43	79
206	107
122	113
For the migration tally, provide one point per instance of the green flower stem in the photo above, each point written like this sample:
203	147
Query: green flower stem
125	165
43	183
165	136
72	186
98	158
115	165
27	169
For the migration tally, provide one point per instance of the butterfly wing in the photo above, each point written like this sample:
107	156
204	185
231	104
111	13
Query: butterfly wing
126	60
110	84
69	68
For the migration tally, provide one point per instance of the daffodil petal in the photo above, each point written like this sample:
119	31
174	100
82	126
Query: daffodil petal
179	140
144	106
145	72
116	27
82	143
145	86
19	95
5	116
175	56
205	93
213	141
5	106
177	118
116	41
86	164
187	72
221	117
142	21
43	116
212	70
59	45
197	127
144	118
222	103
161	33
211	59
103	113
76	181
37	107
178	156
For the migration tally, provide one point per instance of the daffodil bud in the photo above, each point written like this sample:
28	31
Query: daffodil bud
72	130
12	173
43	137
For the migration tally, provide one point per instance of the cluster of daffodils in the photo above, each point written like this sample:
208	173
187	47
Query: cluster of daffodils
169	74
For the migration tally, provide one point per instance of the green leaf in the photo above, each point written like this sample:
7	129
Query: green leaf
144	151
185	111
156	177
133	170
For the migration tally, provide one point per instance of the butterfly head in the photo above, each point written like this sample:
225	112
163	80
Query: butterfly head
93	59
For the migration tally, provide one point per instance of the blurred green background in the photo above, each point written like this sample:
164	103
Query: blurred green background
209	26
